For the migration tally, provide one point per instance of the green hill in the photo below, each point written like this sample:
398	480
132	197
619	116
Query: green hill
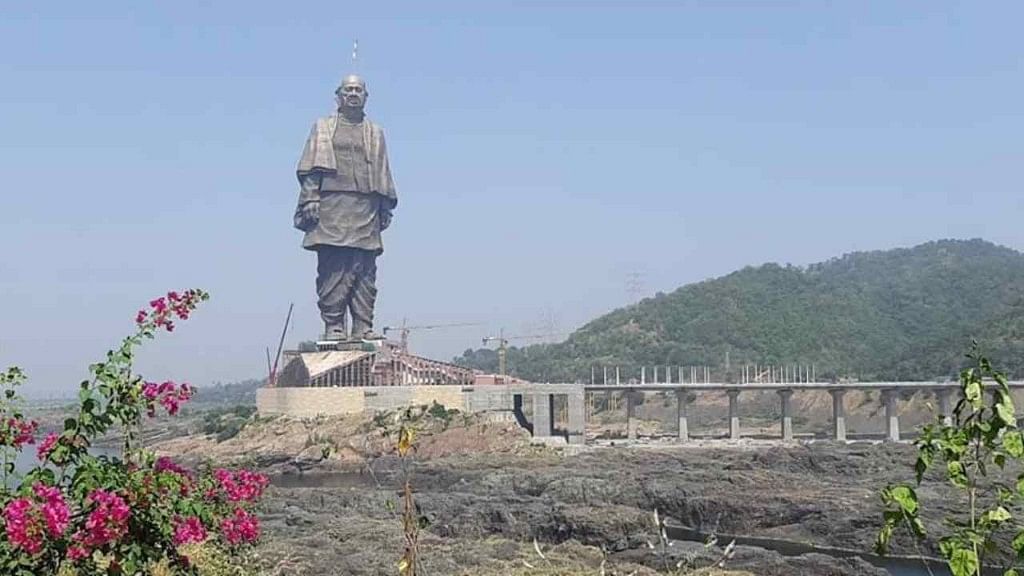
906	314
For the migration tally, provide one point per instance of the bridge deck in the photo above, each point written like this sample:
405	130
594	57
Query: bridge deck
724	386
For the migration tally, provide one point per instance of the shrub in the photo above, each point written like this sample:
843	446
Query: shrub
439	412
226	423
981	438
77	513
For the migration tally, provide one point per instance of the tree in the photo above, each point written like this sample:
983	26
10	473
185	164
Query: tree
981	438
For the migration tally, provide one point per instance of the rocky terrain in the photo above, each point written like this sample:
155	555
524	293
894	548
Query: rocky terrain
485	494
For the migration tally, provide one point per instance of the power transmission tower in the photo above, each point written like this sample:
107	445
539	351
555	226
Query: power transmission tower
635	285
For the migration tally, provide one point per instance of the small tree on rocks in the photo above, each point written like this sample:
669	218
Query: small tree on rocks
981	439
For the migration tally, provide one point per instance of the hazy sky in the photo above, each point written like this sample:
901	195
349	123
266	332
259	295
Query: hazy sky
543	152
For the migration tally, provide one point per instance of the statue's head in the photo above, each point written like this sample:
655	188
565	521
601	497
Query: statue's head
352	93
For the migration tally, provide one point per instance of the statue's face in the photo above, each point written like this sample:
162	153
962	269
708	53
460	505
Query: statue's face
352	95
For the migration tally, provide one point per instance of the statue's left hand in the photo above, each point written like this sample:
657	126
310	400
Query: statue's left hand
385	219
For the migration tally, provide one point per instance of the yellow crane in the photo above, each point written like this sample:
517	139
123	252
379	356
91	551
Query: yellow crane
404	330
503	341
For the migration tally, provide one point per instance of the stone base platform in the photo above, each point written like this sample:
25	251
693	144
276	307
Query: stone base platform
331	401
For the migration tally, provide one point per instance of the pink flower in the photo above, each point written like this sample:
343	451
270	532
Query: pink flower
24	528
77	552
46	446
16	432
189	530
163	310
55	509
29	520
107	522
167	394
150	390
240	527
171	404
241	486
165	464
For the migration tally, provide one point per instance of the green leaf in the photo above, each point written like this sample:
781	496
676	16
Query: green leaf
922	464
1000	459
955	470
1005	410
1013	443
883	538
972	392
918	526
963	562
1018	544
1011	572
1005	496
998	514
904	496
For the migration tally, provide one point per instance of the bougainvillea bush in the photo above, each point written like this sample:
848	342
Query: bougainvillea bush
77	513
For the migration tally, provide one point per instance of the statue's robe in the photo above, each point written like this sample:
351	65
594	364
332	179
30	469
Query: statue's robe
344	166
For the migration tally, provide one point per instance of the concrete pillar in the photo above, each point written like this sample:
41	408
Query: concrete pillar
631	422
684	424
787	414
892	419
543	416
944	397
577	421
838	415
734	414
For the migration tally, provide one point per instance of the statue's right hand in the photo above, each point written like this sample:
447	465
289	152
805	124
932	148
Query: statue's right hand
310	213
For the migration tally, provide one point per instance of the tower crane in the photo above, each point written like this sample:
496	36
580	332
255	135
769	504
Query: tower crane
404	330
503	341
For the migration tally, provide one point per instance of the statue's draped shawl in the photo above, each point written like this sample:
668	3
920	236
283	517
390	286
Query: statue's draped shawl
318	155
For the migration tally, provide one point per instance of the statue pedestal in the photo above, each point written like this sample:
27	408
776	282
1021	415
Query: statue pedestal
357	345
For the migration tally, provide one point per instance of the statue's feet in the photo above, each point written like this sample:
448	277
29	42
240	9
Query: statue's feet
366	333
335	332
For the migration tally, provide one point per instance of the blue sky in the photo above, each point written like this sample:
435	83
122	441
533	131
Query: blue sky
543	151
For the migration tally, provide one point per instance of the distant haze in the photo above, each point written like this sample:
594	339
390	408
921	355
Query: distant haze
553	160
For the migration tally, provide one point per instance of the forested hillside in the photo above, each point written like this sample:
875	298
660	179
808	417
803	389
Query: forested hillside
895	314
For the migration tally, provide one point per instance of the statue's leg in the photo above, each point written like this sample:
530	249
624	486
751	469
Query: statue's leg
335	280
364	293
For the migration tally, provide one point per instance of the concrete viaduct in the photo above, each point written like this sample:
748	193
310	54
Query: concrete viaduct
543	415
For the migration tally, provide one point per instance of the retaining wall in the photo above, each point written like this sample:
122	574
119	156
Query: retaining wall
311	402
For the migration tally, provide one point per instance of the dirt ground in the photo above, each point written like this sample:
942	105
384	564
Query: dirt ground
484	493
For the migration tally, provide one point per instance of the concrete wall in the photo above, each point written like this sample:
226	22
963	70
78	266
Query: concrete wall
311	402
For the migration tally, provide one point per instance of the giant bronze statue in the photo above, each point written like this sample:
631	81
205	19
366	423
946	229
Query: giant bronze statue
345	201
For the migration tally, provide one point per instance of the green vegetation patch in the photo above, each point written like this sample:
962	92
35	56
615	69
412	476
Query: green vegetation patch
226	423
887	315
